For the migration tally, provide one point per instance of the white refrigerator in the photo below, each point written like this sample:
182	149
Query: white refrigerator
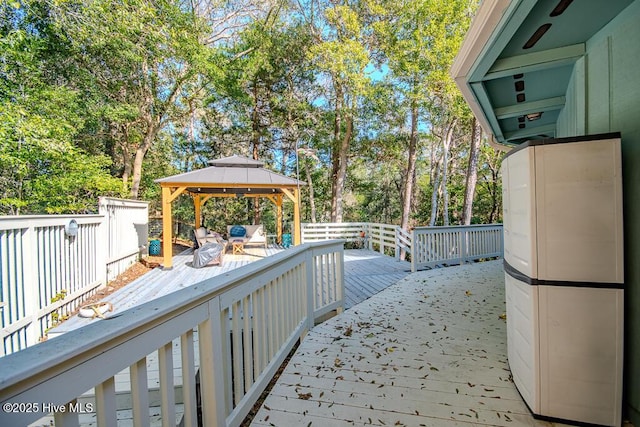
564	276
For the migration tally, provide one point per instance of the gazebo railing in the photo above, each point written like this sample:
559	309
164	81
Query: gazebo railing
244	325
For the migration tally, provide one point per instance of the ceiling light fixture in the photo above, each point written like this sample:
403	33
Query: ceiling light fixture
534	116
519	85
536	36
520	97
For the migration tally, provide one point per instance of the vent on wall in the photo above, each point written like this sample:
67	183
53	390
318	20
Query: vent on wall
536	36
560	8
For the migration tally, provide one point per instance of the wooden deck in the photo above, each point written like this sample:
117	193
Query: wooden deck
366	273
428	351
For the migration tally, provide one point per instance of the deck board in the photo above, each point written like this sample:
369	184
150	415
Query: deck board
429	350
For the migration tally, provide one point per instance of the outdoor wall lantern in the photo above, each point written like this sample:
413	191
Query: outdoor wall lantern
71	228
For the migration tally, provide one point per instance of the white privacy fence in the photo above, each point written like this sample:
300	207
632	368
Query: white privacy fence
46	271
218	343
426	246
127	232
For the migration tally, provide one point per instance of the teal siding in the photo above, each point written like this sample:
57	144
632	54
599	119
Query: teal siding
604	96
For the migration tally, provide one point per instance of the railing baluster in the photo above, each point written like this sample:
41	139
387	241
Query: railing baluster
189	399
140	393
167	386
247	350
258	326
68	418
106	410
236	353
212	361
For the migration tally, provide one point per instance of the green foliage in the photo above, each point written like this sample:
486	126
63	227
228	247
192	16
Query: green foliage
85	87
41	170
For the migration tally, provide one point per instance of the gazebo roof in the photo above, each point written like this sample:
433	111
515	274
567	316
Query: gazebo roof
235	174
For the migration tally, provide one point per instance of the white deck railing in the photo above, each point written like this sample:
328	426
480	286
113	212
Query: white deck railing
369	235
432	246
45	274
427	246
245	323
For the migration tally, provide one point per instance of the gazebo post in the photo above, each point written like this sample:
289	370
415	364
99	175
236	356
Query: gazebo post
279	218
197	205
297	238
167	232
294	195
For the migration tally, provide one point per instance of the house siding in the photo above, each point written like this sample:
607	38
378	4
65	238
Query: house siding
604	96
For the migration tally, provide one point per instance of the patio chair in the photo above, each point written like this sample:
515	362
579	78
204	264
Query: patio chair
203	236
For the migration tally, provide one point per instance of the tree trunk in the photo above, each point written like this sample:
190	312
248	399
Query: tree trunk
495	189
434	195
448	136
255	145
411	169
472	173
342	169
336	192
152	131
312	200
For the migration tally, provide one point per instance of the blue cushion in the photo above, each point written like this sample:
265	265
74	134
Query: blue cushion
237	231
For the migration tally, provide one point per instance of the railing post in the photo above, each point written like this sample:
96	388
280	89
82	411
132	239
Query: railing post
311	287
397	244
339	257
414	251
461	245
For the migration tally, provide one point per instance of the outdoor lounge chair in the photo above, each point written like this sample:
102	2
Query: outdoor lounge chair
204	237
248	235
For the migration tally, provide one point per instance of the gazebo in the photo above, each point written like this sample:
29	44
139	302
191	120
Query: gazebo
234	176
